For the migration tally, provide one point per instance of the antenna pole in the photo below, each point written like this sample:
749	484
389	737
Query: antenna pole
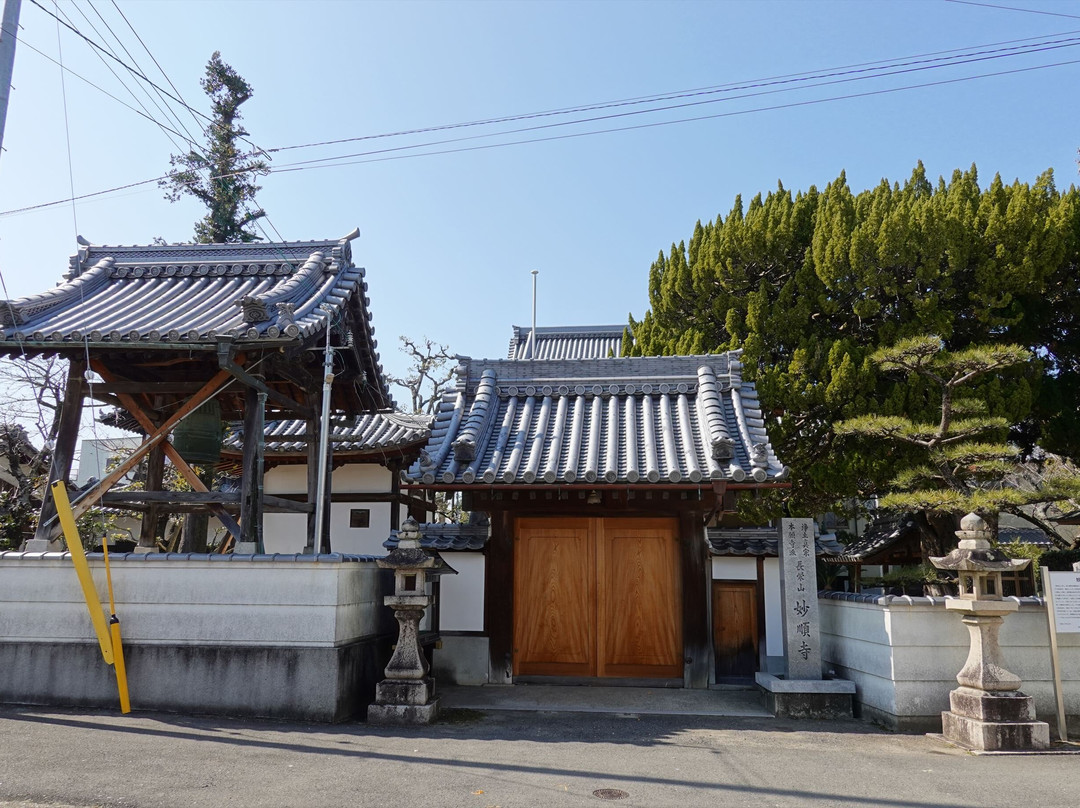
532	339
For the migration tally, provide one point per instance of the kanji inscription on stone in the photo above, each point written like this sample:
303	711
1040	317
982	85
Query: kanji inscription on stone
798	586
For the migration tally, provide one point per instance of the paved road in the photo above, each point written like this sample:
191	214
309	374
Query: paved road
506	759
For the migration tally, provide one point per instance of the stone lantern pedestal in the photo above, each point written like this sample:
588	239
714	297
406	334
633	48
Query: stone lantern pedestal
988	711
407	695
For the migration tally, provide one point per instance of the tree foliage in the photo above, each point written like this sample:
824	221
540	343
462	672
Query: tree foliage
810	285
222	175
962	462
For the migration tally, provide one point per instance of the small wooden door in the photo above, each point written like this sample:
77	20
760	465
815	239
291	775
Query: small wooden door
735	628
597	597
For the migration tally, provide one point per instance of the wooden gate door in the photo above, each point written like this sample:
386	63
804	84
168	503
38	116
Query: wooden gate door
597	597
555	597
735	628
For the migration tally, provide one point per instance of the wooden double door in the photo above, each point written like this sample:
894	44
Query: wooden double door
597	597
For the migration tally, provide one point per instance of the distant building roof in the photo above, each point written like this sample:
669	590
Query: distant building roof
566	342
759	541
885	531
443	536
371	433
593	421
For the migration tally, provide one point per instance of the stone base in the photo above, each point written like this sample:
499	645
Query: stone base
806	698
405	691
993	721
403	715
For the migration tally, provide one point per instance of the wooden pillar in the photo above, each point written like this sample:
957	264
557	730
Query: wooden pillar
251	498
67	436
395	501
155	478
499	598
694	559
328	490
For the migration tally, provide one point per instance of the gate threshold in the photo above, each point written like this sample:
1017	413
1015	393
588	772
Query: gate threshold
604	699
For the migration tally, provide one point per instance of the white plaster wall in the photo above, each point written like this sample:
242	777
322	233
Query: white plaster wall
734	569
774	624
287	532
200	601
904	653
462	607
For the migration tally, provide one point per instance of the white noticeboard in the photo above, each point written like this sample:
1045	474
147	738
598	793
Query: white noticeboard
1062	591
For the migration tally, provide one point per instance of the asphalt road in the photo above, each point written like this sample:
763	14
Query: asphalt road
507	759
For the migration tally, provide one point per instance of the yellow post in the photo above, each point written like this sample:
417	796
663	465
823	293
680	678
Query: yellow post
112	648
82	569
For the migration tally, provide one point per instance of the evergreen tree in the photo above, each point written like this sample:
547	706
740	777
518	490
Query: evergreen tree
810	285
962	462
221	176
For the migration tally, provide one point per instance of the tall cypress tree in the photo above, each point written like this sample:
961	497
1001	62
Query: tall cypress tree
222	175
811	285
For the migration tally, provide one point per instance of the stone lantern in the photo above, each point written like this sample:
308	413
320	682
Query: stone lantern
407	694
988	711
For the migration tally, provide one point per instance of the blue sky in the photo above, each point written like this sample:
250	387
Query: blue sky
449	240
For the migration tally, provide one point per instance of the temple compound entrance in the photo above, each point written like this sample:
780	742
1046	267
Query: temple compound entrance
597	597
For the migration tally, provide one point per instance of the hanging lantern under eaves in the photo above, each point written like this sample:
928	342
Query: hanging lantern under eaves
198	437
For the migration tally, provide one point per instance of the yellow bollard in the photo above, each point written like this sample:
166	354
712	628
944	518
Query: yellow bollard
82	569
112	648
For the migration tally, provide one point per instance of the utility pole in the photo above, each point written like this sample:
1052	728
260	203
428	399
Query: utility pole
8	36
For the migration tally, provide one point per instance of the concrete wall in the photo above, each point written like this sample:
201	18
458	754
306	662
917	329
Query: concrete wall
241	635
904	653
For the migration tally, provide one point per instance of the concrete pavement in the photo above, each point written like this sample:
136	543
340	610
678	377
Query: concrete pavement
504	758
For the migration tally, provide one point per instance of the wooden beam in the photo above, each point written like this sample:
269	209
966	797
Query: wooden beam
147	388
155	478
186	471
228	364
695	588
67	436
251	485
206	392
499	598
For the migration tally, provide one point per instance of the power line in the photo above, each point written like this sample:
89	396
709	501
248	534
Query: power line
148	115
157	64
788	78
166	110
795	104
1051	46
100	89
1014	8
654	124
123	64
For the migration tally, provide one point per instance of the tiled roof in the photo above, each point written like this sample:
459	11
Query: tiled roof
439	536
759	541
373	432
883	532
189	294
626	420
567	342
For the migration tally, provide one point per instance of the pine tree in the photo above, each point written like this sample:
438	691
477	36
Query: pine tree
222	176
960	462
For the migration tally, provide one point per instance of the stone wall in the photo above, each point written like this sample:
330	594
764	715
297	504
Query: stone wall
274	636
903	654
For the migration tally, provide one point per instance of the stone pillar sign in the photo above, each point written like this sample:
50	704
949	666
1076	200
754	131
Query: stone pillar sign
801	692
798	577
